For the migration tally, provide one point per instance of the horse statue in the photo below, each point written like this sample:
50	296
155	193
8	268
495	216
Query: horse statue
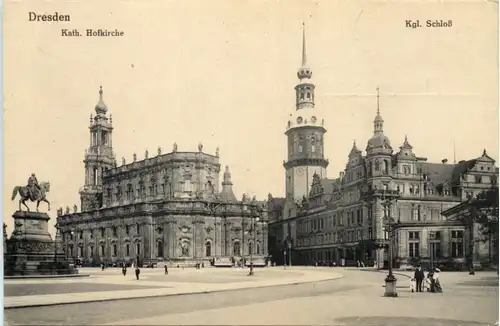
25	195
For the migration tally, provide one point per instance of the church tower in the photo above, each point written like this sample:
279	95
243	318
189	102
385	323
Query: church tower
379	153
305	131
98	157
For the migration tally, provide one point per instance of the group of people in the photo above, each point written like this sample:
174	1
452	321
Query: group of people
137	271
430	281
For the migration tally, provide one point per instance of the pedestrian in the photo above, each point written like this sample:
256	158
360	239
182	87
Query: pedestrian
124	270
437	284
413	285
137	272
419	278
166	269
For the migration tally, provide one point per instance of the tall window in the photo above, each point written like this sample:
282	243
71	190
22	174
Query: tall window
115	233
415	213
236	249
457	244
102	250
103	232
127	230
115	250
208	249
414	244
127	250
138	249
435	244
258	248
250	248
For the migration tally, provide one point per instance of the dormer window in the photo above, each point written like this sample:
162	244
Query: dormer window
447	191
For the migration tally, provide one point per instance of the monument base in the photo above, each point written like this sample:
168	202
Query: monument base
31	250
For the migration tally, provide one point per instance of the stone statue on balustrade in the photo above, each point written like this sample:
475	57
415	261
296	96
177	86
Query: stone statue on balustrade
33	191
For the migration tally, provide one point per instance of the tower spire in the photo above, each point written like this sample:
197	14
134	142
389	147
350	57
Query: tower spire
378	123
378	100
101	108
304	53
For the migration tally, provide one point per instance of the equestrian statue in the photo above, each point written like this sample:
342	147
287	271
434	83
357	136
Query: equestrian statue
34	191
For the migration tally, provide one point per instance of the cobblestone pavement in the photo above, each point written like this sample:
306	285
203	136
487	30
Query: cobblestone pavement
355	299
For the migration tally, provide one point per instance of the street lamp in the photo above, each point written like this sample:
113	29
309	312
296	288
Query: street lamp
389	226
72	247
109	251
288	246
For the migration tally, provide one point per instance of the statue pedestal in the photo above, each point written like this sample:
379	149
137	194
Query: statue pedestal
31	250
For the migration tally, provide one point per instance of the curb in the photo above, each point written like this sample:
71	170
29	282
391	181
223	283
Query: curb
384	272
339	276
27	277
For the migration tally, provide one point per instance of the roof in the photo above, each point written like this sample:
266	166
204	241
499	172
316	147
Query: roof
329	184
277	203
462	167
438	173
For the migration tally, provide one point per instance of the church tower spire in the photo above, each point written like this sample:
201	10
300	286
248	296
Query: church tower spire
305	131
99	157
305	89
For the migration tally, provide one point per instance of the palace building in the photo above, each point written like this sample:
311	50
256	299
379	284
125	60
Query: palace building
346	218
165	207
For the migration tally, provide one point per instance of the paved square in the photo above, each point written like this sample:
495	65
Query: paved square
355	299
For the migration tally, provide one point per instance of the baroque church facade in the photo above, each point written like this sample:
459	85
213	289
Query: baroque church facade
345	218
165	207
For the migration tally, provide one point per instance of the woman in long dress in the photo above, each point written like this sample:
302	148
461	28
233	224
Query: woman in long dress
437	284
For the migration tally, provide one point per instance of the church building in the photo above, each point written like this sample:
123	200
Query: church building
167	206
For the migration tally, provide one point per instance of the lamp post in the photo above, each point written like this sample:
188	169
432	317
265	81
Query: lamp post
432	236
109	251
72	247
389	226
287	247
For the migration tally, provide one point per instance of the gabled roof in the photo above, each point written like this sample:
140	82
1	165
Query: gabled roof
438	173
461	168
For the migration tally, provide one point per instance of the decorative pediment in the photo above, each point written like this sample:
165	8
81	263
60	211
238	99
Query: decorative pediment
137	240
102	241
126	240
159	240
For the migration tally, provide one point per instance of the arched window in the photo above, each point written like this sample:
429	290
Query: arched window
159	250
258	248
208	249
102	250
115	250
137	228
236	248
250	248
301	96
308	95
313	144
138	249
377	165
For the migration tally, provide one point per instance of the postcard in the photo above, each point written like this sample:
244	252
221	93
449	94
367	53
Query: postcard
282	162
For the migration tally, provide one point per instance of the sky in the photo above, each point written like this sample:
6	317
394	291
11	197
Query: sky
223	73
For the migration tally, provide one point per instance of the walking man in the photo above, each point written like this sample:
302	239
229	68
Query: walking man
419	277
137	272
166	269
